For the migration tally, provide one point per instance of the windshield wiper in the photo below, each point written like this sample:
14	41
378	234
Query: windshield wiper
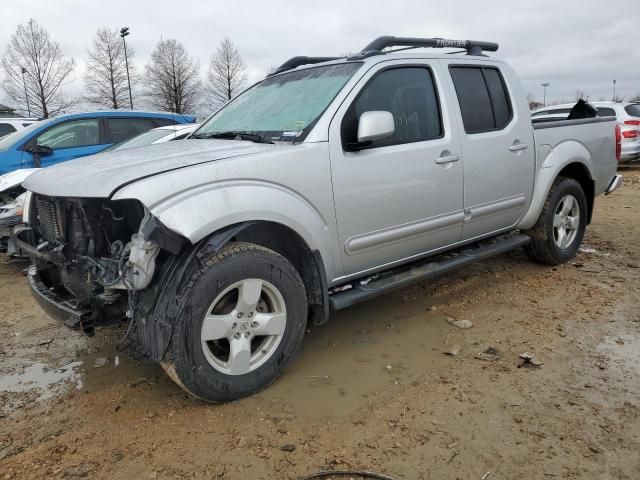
252	137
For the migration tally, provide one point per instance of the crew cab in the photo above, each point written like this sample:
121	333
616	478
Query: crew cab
331	181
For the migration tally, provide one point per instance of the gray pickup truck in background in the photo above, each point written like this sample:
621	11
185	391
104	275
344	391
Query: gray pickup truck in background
331	181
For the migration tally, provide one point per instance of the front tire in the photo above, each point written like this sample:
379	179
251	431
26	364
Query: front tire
557	235
244	314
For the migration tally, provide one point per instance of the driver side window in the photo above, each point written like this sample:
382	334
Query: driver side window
409	93
76	133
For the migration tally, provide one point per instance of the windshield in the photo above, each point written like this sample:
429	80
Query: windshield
16	138
633	109
141	140
284	107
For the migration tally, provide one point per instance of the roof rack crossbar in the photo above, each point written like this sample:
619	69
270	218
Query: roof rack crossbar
295	62
473	47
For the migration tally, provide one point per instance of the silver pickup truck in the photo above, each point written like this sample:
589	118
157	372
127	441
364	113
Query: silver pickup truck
330	182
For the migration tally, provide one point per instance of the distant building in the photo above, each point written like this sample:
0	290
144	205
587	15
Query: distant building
7	112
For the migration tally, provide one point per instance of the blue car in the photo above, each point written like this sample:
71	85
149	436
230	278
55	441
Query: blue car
76	135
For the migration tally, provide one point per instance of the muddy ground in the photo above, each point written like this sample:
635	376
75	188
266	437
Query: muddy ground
371	390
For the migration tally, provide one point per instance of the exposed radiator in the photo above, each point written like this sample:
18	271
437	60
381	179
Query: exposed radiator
47	215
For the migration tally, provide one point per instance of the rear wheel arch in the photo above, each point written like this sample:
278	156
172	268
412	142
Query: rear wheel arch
580	173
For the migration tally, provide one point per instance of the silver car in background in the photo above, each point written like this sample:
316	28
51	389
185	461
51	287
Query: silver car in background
627	115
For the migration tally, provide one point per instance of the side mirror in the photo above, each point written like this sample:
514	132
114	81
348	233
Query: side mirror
40	150
375	125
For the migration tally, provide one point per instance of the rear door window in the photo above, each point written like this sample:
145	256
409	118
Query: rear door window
163	122
483	97
124	128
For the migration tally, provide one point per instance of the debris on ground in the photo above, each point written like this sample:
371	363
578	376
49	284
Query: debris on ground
453	351
45	342
529	360
100	362
491	354
288	447
464	324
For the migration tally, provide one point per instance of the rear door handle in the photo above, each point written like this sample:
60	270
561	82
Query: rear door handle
447	159
518	146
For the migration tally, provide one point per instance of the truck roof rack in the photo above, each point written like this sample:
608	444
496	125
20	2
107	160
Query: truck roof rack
473	47
298	61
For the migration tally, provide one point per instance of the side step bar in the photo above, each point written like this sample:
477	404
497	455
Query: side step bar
426	269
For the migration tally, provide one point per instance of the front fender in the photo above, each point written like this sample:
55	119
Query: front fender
197	212
548	168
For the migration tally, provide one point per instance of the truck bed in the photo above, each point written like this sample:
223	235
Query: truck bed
591	139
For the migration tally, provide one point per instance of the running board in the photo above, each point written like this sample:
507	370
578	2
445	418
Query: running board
425	270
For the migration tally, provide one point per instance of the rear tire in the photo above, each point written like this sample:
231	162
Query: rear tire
557	235
244	313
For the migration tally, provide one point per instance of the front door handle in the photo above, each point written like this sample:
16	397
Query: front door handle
447	159
518	146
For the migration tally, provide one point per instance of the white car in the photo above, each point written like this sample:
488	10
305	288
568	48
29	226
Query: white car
156	135
627	114
10	125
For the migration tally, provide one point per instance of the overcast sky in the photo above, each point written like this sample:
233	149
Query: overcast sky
573	44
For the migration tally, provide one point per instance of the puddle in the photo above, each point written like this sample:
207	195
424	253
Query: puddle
363	353
43	380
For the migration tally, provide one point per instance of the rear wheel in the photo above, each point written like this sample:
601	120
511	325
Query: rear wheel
558	233
244	316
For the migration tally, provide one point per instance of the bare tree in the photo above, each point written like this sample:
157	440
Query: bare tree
172	78
106	76
33	63
227	74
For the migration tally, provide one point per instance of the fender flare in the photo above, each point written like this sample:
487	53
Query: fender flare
565	154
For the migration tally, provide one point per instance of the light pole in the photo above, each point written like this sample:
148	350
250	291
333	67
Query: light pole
544	86
124	31
613	99
24	84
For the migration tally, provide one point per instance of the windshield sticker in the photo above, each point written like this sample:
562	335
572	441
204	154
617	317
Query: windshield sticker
296	133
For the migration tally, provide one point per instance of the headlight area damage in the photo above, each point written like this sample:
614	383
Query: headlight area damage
92	256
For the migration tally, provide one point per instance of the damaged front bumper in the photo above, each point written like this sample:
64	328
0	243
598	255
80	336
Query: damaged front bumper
64	310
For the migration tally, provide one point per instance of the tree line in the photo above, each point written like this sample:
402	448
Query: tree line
35	72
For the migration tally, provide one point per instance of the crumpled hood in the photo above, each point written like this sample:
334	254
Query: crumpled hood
15	178
99	176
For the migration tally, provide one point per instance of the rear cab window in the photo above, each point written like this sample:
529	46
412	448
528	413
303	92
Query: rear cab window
483	97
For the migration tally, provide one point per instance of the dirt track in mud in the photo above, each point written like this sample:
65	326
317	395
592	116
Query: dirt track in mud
370	390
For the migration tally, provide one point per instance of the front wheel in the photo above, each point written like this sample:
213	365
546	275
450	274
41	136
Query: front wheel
243	318
557	235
